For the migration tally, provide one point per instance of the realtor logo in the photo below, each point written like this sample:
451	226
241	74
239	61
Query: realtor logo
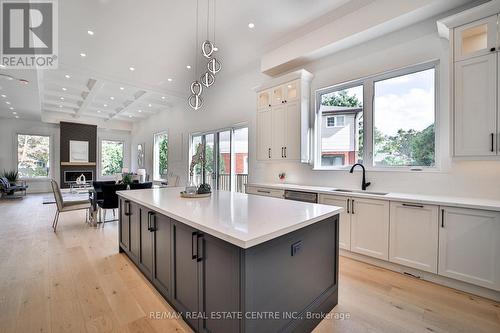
29	34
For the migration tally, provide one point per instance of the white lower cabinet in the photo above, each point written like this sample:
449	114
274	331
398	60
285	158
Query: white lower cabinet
267	192
370	227
413	236
345	218
469	246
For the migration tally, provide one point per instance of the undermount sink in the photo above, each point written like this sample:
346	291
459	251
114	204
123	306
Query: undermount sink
359	191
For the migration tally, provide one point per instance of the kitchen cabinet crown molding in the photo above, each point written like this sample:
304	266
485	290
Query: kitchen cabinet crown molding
301	74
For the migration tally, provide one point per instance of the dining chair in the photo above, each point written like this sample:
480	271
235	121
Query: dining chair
109	200
66	206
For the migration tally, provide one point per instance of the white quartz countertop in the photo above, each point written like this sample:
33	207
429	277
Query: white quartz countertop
241	219
475	203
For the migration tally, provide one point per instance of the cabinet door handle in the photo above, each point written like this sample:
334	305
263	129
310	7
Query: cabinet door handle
149	221
352	206
262	191
269	153
199	257
493	49
194	253
285	152
153	224
127	208
413	205
282	156
442	218
348	203
492	142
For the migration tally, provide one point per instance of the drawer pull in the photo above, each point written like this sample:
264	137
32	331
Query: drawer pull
413	205
262	191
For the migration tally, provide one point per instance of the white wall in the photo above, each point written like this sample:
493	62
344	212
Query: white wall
9	128
232	101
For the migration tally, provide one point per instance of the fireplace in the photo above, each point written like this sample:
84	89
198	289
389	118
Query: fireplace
70	176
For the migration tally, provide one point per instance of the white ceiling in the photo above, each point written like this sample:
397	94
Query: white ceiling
157	38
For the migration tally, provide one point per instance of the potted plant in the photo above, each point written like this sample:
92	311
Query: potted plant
12	176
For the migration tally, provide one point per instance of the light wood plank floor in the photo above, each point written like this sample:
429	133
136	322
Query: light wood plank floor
76	281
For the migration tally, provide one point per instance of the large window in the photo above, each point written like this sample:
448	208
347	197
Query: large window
226	155
111	157
33	155
160	156
341	123
384	121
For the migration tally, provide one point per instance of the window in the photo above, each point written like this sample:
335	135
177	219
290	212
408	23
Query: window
226	159
384	121
33	155
341	126
403	113
335	121
160	156
111	157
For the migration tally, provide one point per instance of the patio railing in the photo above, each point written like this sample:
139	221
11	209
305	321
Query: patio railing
224	181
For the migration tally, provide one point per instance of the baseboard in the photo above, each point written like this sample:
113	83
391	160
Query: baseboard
434	278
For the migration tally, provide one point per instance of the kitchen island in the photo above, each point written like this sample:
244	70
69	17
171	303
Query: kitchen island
235	262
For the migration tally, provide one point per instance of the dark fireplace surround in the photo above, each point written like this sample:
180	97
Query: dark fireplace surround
79	132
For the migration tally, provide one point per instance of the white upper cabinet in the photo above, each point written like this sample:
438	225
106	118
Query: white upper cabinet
476	38
281	111
475	117
469	246
370	227
414	235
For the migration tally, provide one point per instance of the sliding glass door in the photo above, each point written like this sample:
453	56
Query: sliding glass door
226	159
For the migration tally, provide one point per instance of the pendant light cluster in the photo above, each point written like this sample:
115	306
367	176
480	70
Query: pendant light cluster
213	65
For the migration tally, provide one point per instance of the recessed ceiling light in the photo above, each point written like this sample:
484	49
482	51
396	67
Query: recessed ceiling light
60	105
62	98
10	78
169	80
139	111
90	32
83	55
150	105
105	105
14	113
8	103
112	98
17	117
131	69
98	111
251	25
163	97
11	108
64	89
67	76
188	67
121	88
130	116
4	96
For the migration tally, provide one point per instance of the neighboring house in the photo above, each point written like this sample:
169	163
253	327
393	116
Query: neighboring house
340	135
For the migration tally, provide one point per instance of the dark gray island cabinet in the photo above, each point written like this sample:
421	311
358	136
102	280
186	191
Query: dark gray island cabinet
285	284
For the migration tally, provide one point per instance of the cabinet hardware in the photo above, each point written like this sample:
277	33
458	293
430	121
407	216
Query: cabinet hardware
193	253
348	203
269	105
153	222
127	208
492	142
352	206
282	156
285	152
262	191
493	49
413	205
442	218
149	221
286	101
199	257
269	153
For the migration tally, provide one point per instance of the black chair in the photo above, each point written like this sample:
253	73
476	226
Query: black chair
109	199
141	186
98	188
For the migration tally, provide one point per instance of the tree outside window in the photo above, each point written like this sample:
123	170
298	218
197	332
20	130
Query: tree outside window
111	157
33	155
160	156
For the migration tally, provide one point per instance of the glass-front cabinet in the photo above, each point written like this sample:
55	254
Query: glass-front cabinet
264	99
476	38
278	95
292	91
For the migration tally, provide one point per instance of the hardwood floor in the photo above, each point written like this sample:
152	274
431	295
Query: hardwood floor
76	281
